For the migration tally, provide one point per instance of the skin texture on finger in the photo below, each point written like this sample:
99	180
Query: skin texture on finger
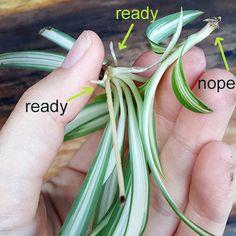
211	191
190	133
30	141
194	63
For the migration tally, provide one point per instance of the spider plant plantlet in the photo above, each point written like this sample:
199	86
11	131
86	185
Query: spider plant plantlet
115	196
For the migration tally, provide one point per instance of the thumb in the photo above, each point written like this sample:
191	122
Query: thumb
31	137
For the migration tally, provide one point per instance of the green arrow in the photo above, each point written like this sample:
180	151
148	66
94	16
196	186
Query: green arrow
122	45
86	90
218	43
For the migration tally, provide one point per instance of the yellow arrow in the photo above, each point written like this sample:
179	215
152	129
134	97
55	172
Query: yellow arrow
86	90
218	43
122	45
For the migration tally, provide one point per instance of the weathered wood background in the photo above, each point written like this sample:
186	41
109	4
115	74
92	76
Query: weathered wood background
21	20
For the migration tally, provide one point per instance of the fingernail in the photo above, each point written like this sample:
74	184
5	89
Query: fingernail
79	49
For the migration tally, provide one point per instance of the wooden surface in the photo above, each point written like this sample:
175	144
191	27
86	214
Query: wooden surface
8	7
19	31
19	28
21	20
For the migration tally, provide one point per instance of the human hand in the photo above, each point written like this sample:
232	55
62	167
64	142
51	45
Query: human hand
30	141
201	184
199	168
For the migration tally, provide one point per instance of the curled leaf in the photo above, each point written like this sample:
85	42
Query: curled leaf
166	26
175	37
183	92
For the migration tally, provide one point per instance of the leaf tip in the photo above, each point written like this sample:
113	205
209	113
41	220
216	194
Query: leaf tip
44	29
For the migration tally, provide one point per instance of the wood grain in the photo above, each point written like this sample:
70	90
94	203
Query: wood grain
8	7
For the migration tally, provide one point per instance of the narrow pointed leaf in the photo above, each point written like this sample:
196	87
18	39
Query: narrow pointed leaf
139	206
80	215
118	220
88	128
108	197
152	152
166	26
44	61
90	112
183	92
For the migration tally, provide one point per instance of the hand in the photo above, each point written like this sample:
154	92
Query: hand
199	168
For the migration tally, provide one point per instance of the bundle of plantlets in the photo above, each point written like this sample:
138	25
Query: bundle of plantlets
114	198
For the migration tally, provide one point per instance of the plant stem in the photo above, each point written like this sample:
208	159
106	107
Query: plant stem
115	141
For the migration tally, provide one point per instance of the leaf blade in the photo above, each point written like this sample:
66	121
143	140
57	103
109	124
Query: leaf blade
46	61
183	92
165	26
81	213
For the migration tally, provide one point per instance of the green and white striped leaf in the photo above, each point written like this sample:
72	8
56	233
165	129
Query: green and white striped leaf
166	26
139	206
153	144
81	213
110	179
116	217
45	61
88	128
152	129
183	92
58	37
90	112
117	222
107	198
175	37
